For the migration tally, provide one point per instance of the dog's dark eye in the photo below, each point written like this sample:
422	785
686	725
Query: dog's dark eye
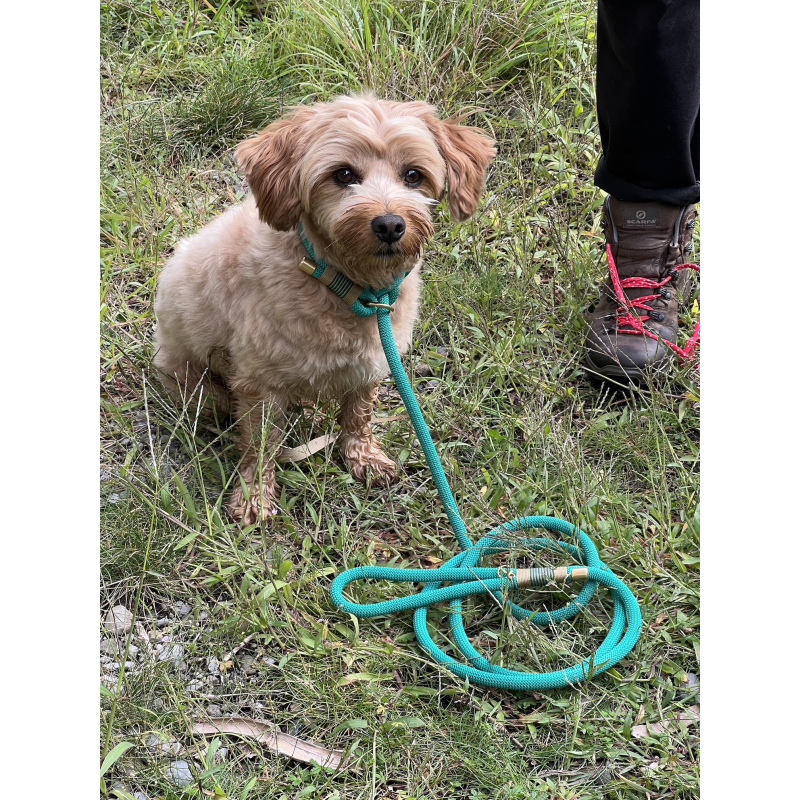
412	177
344	176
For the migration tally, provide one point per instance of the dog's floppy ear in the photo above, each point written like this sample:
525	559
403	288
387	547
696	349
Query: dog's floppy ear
270	163
467	152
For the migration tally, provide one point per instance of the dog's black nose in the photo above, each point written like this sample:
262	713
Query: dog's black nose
389	228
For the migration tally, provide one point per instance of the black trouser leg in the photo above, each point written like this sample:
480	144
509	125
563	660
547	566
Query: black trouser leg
648	100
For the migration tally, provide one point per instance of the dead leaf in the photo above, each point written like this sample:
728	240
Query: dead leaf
315	445
306	450
270	736
690	715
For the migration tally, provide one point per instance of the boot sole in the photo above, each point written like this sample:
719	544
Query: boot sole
613	371
616	372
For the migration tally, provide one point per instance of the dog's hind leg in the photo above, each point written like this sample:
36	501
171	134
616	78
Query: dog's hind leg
260	422
191	384
357	443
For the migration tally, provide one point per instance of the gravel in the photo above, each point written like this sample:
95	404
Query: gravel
109	647
246	663
170	652
182	609
118	620
166	744
692	683
179	774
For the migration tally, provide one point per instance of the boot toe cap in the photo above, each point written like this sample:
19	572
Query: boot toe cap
624	355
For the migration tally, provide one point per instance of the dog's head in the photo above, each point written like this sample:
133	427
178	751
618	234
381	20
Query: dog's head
365	174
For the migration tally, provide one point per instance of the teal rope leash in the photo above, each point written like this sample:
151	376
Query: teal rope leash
462	572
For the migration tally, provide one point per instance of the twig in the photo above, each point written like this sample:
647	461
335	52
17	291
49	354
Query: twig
239	646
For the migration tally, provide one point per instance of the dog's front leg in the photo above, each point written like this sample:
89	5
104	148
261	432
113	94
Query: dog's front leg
357	443
260	423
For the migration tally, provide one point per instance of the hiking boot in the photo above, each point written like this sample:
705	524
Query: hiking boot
648	240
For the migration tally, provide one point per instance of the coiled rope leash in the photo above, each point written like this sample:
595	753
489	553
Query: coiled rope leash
462	571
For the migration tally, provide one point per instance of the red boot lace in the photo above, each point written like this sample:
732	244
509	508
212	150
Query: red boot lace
628	321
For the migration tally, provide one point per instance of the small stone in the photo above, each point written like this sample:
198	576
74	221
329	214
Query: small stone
170	652
164	743
692	684
601	778
214	711
110	647
133	650
195	686
118	620
246	663
182	609
213	665
202	615
162	622
179	774
113	498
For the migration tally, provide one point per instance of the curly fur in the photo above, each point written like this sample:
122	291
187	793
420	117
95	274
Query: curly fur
237	316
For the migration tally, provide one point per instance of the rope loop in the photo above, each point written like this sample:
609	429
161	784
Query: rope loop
370	300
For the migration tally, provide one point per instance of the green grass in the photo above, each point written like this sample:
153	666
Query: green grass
519	425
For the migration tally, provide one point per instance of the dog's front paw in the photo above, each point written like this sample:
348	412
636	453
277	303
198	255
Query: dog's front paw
258	507
367	462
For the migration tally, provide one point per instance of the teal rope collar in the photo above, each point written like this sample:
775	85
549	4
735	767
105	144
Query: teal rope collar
363	302
462	572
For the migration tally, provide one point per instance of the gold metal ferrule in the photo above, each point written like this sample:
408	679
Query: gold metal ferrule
306	266
379	305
